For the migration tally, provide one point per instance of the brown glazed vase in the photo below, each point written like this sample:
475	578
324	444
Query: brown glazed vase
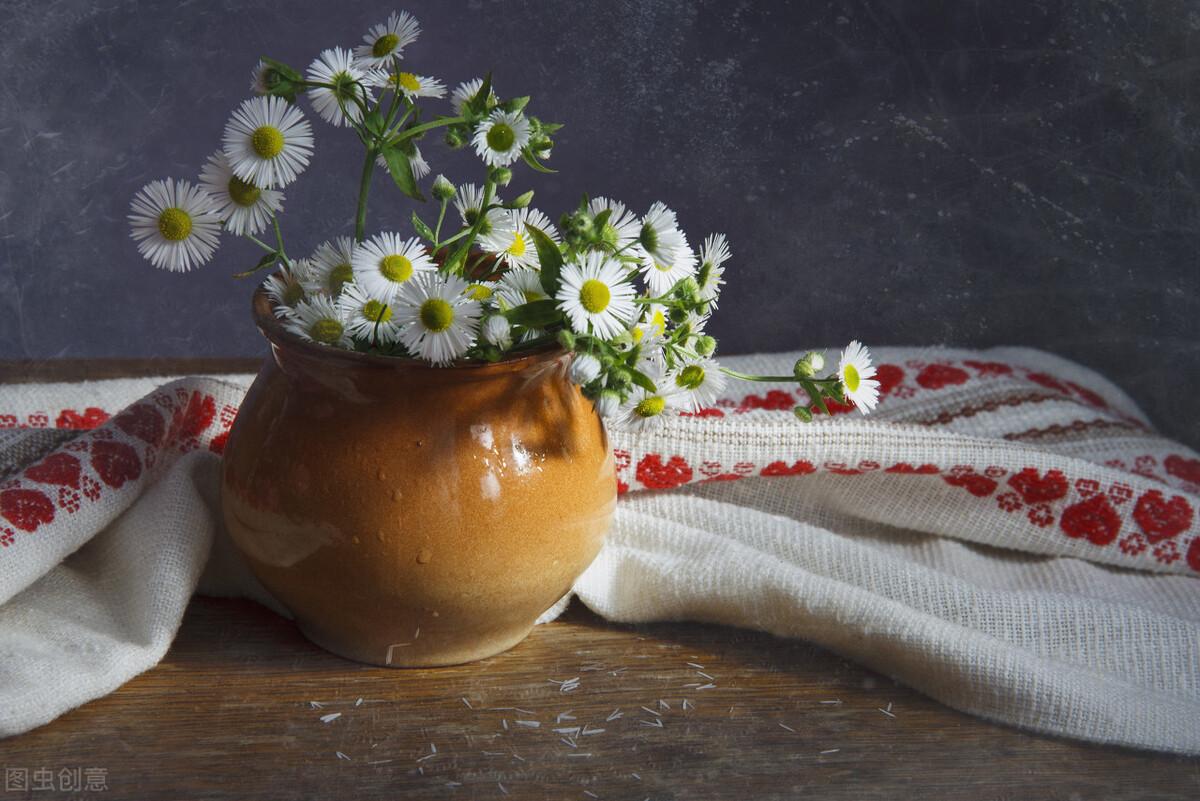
410	515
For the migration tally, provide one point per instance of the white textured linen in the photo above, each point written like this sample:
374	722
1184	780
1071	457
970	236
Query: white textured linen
1006	534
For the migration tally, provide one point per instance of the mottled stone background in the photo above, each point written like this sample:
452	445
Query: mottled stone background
970	173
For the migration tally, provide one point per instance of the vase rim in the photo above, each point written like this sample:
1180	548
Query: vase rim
272	328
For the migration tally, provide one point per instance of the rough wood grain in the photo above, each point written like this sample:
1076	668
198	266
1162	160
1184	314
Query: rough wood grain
230	714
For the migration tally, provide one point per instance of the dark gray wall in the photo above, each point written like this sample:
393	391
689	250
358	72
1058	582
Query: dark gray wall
908	173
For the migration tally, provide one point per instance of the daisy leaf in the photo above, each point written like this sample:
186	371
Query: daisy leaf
534	164
400	167
642	380
266	261
535	314
422	229
549	257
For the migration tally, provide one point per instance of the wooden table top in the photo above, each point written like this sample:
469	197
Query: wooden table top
244	707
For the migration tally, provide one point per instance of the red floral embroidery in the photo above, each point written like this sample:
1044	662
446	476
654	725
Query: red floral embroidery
1193	554
91	418
68	499
1041	516
1009	501
218	443
115	463
1049	382
1094	519
38	420
904	468
977	485
938	376
800	468
1088	396
1166	552
655	475
1133	544
705	412
889	377
144	422
1183	468
26	509
1162	519
191	420
1039	489
989	368
775	399
60	468
8	421
1120	493
91	488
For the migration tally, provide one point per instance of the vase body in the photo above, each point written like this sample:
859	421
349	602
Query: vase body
409	515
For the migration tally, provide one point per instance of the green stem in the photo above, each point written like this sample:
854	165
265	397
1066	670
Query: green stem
437	231
260	243
279	239
777	379
364	188
429	126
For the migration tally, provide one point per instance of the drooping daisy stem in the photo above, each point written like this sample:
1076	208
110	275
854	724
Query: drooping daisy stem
364	189
279	242
779	379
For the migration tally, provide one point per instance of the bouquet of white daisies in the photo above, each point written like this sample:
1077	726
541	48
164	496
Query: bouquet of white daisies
626	294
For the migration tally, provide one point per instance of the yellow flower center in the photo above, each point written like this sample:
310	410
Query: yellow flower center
517	248
174	224
327	331
651	406
409	82
384	45
662	268
436	315
594	295
850	378
531	296
479	292
501	137
293	293
690	377
339	275
658	322
267	141
377	312
242	192
396	268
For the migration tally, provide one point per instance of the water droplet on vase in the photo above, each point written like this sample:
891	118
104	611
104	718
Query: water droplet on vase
354	539
423	556
395	495
379	474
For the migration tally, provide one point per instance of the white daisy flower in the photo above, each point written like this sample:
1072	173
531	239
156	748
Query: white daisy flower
319	319
645	410
414	86
518	287
652	327
858	377
512	243
331	267
385	261
585	368
387	39
244	207
662	274
699	383
596	297
440	322
660	236
623	227
176	224
268	142
261	78
713	255
465	92
469	200
497	330
369	317
336	105
286	287
498	139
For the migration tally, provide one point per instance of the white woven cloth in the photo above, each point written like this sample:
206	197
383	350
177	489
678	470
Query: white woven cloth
1007	534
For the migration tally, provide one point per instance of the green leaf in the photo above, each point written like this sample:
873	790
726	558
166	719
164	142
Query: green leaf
535	314
266	261
282	69
478	103
815	394
515	104
551	127
536	165
401	169
549	257
642	380
422	229
373	122
602	219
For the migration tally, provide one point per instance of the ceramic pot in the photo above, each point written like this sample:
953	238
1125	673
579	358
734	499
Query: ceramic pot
409	515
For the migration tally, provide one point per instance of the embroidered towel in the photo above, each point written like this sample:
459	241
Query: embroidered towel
1007	534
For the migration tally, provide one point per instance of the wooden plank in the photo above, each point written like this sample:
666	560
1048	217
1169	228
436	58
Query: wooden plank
230	713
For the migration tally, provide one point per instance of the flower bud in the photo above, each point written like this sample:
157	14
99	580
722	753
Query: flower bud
521	201
455	139
500	175
803	413
608	403
566	339
705	345
585	368
498	331
811	364
442	188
